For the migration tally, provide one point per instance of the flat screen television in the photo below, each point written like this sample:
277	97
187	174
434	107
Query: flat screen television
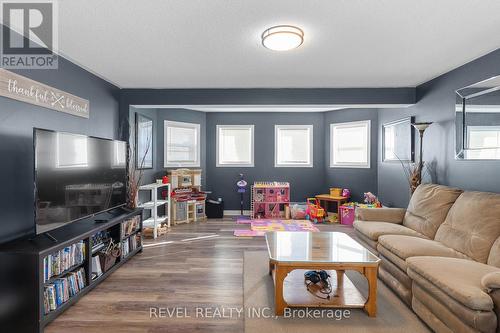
76	176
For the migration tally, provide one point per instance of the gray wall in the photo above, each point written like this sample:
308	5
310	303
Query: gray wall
436	102
358	180
304	182
159	116
17	120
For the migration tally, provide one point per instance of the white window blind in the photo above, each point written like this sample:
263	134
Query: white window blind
182	144
293	146
235	146
350	144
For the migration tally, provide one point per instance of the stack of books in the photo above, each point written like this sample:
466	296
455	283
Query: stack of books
131	225
131	244
62	289
62	260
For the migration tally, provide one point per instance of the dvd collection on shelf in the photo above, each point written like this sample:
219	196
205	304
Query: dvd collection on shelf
131	244
62	260
62	289
131	225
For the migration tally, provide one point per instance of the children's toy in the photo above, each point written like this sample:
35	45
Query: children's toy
335	192
242	188
347	214
298	210
188	201
185	178
269	199
346	193
371	198
314	211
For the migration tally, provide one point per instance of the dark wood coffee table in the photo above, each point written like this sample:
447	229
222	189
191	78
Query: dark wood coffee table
293	253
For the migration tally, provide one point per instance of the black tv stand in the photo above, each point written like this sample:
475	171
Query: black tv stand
23	265
49	236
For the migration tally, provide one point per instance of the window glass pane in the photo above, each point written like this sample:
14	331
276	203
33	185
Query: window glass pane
182	144
293	145
350	144
235	145
390	140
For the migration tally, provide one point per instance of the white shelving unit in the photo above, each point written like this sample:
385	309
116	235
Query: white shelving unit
154	221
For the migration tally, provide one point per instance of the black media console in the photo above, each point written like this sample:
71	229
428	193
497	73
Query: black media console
40	278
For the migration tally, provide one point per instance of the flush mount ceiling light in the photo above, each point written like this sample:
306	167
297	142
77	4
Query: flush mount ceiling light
282	38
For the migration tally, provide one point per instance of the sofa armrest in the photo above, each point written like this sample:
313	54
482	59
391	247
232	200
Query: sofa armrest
391	215
491	281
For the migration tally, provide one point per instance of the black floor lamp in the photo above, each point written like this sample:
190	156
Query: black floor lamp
421	127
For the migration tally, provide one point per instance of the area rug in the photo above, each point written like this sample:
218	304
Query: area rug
258	297
260	226
243	220
249	233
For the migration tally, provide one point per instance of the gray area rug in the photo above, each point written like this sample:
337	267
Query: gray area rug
258	298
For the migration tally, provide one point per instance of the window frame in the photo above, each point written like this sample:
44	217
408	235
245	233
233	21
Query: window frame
278	164
333	126
220	164
180	124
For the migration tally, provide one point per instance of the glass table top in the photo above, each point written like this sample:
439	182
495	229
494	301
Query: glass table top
322	247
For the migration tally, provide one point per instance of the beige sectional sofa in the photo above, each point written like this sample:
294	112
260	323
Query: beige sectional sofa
441	256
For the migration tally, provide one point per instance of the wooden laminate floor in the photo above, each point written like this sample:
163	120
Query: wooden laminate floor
195	270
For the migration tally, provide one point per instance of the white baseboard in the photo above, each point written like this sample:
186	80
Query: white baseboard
236	212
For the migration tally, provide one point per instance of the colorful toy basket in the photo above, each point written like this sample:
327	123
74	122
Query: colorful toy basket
347	214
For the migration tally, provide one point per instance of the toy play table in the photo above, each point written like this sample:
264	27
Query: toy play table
292	253
328	198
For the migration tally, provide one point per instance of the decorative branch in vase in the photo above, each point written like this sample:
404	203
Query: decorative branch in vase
134	174
414	171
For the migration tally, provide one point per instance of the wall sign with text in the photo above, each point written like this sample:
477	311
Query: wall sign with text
21	88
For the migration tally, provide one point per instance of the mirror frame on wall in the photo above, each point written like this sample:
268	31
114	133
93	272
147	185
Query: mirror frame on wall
406	122
462	95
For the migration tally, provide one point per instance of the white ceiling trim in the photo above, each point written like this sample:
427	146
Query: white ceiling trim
272	108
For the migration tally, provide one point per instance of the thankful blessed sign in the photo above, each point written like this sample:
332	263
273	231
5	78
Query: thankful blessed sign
26	90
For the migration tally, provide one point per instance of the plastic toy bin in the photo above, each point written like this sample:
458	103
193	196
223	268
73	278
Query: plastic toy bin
347	214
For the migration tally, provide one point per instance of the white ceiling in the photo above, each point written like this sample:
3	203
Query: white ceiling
216	43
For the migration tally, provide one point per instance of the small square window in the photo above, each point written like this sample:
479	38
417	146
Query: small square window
350	145
182	144
293	146
235	146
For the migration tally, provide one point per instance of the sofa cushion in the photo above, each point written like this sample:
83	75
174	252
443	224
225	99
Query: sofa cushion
393	215
403	247
494	257
428	207
370	244
373	229
472	225
453	314
458	278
